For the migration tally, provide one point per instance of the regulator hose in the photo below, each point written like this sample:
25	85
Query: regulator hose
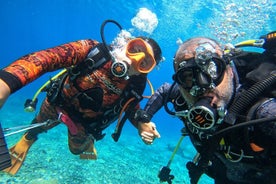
167	101
248	97
102	30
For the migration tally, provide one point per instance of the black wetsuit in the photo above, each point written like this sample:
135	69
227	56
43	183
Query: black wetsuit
232	157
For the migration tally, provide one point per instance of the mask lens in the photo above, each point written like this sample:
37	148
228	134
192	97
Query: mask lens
217	73
141	55
200	73
190	78
184	77
209	62
214	70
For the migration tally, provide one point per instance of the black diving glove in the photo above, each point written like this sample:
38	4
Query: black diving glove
269	42
142	116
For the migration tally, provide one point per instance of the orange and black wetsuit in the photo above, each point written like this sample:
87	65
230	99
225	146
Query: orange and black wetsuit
93	100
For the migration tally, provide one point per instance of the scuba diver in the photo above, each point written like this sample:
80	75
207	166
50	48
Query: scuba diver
225	97
101	83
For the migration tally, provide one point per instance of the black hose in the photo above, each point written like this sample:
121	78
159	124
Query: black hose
102	30
248	97
167	100
245	124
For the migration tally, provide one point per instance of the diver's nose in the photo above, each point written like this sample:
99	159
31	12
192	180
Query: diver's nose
214	105
212	99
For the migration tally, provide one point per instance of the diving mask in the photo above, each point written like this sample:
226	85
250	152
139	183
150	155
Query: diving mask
204	71
141	55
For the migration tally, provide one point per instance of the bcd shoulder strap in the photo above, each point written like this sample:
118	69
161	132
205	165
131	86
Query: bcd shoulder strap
253	67
97	56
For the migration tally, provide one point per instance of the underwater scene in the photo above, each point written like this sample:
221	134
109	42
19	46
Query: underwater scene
28	26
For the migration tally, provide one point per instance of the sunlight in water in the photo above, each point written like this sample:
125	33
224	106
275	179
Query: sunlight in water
227	21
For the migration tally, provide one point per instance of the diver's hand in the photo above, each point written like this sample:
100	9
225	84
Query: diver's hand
4	92
148	132
269	40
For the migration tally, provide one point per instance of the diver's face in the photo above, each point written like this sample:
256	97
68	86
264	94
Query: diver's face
220	95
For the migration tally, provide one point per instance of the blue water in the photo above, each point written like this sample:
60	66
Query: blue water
29	25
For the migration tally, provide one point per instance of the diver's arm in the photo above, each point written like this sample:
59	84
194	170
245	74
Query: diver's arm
157	100
28	68
4	92
147	129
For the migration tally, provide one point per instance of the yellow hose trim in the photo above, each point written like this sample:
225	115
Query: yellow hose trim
245	43
175	150
48	82
151	89
254	43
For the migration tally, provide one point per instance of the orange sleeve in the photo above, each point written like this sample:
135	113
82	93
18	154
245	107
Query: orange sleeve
28	68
